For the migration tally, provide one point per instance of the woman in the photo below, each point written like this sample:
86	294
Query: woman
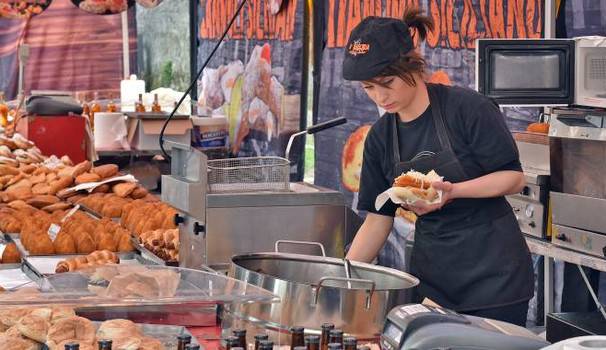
469	253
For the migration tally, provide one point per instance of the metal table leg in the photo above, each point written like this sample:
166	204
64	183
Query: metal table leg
548	281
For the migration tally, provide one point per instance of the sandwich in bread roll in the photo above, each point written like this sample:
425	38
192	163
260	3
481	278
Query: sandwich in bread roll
413	186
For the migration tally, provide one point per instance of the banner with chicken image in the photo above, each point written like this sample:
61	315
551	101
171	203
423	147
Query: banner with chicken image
255	78
449	52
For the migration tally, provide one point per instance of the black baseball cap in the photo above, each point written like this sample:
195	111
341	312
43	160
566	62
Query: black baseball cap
373	45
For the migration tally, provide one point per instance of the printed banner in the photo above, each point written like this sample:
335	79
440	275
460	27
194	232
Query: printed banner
255	78
69	50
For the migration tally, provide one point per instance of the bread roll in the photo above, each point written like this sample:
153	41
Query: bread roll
124	189
34	327
86	178
106	171
71	328
81	168
41	201
8	170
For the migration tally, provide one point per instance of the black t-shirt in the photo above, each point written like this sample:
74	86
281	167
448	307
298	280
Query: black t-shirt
478	133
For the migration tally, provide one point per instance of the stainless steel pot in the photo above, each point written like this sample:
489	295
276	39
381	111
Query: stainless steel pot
354	296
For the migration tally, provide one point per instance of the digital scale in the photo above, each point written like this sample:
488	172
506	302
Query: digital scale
421	327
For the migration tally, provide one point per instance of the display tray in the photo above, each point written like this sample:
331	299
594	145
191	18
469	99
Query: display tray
111	286
38	266
188	314
166	334
149	255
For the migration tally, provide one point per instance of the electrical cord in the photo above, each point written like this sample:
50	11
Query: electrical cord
195	81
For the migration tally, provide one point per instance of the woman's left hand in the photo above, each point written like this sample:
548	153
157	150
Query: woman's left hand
422	208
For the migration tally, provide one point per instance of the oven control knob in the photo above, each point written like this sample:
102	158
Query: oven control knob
529	210
532	224
178	219
562	237
199	228
526	191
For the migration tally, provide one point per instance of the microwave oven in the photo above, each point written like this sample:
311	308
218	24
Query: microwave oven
543	72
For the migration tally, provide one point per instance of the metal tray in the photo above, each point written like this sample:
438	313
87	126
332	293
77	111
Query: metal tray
39	266
149	255
25	253
12	276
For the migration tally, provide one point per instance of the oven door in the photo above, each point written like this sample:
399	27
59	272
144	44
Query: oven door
526	72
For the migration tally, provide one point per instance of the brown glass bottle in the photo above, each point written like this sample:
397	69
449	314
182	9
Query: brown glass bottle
335	346
297	337
336	336
85	109
139	106
350	343
182	341
312	342
266	345
326	328
3	110
105	344
156	106
259	338
111	107
241	335
231	342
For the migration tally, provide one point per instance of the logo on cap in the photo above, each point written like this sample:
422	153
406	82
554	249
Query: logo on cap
358	48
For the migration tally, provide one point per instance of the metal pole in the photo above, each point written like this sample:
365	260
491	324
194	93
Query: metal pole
548	287
549	24
125	45
550	19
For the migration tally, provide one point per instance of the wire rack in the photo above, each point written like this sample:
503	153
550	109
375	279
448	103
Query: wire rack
251	174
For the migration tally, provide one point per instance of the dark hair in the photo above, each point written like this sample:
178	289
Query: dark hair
411	62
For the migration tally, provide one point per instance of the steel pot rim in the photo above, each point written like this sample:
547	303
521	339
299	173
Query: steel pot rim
414	281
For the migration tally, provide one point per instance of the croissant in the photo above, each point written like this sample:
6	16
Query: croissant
11	254
41	245
64	243
125	244
85	243
96	258
106	242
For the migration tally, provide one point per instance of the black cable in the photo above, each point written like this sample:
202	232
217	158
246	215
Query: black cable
195	81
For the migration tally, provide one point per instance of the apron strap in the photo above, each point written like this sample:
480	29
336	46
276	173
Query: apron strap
395	139
438	119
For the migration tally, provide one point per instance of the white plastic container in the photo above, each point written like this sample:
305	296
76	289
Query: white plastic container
129	92
210	133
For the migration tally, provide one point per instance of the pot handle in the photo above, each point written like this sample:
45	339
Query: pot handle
369	292
317	244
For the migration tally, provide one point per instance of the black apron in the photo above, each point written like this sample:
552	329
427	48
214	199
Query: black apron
470	254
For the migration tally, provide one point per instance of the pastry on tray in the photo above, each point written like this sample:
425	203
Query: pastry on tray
97	258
